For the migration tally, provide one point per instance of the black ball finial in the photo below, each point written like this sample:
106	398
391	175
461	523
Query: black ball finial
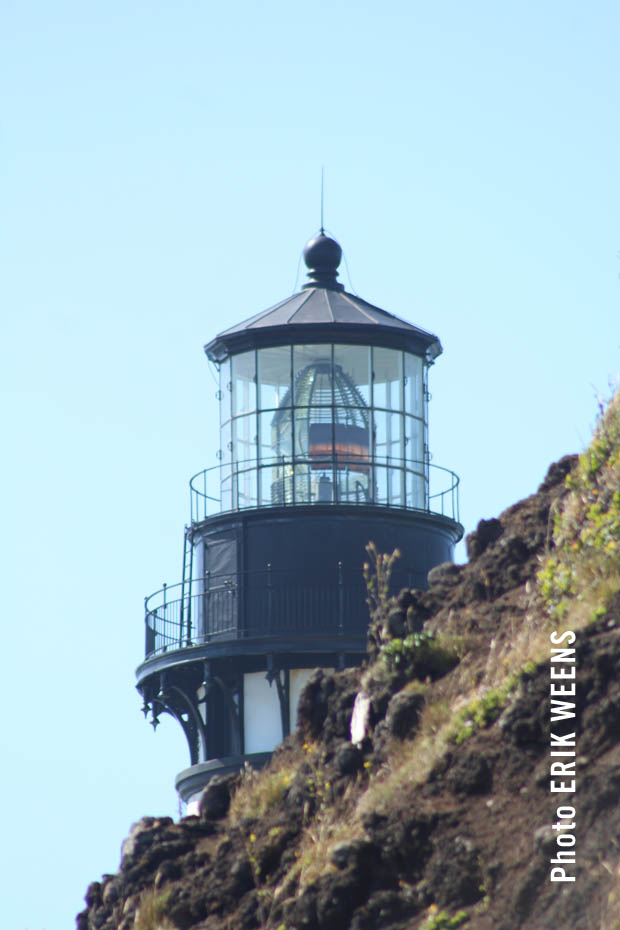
322	256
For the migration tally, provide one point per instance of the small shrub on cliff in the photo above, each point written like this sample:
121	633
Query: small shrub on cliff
377	574
416	655
424	655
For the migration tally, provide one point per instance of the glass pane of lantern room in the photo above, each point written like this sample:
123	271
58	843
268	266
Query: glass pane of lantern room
396	478
276	453
387	367
414	385
352	438
415	467
395	437
225	456
225	391
416	489
247	487
226	443
314	454
388	437
312	375
380	435
244	382
266	477
305	484
276	435
381	485
274	377
414	440
244	438
226	493
314	431
352	484
354	363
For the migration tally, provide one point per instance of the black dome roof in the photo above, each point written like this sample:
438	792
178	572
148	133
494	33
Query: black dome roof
323	312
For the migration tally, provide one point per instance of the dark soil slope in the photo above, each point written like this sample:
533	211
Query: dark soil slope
441	814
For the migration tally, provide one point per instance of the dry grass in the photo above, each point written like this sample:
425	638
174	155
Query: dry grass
523	647
262	791
151	912
409	764
328	825
610	917
328	822
319	839
259	792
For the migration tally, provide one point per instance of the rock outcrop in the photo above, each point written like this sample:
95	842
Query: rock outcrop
440	813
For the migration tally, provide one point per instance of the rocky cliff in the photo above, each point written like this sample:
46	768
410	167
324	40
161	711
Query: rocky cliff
442	808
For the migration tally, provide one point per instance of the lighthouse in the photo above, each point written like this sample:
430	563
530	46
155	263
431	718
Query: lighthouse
323	404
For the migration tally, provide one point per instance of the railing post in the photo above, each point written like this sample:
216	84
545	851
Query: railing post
188	595
207	606
187	608
146	630
340	601
269	598
183	576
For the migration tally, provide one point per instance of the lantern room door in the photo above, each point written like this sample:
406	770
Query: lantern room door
219	600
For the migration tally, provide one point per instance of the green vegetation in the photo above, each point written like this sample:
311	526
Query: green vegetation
419	655
423	654
484	710
440	920
579	579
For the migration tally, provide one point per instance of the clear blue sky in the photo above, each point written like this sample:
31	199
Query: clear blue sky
160	176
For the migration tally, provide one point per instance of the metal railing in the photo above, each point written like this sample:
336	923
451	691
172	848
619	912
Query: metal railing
443	493
259	604
414	486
